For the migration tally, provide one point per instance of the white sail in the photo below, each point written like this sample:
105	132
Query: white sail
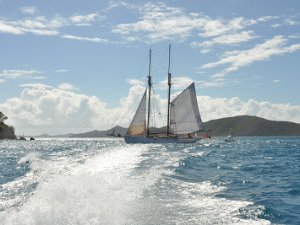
138	124
184	113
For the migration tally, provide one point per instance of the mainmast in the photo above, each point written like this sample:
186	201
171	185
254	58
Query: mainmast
169	93
149	94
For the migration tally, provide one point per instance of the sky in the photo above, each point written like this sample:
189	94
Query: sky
75	66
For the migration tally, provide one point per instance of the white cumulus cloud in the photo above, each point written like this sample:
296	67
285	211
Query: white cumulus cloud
44	109
213	108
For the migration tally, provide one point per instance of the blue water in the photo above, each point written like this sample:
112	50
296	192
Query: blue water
105	181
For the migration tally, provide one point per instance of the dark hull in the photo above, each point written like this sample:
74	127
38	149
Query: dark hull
151	140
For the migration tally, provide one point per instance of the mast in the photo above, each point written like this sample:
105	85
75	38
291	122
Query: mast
149	94
169	93
229	126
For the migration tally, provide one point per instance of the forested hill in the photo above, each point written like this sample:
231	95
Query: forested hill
7	132
252	126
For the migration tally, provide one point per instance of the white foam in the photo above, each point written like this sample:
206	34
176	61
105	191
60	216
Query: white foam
33	159
197	203
127	184
99	191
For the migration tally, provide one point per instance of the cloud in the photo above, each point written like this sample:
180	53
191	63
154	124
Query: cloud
215	82
294	36
42	108
227	39
158	21
38	25
86	20
14	74
204	51
29	10
78	38
276	81
35	85
218	27
136	82
276	25
45	109
213	108
116	4
178	83
2	81
61	71
291	20
237	59
267	18
67	87
10	29
41	25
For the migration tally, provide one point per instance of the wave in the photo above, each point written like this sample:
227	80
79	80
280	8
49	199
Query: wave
124	184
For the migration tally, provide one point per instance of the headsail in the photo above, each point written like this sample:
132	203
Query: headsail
184	113
138	124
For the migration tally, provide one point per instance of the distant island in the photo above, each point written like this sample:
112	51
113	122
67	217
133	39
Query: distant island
240	126
6	132
252	126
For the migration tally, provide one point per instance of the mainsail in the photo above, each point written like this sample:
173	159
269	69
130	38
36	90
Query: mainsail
184	113
138	124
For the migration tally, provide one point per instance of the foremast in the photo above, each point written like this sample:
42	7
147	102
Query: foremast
169	93
149	95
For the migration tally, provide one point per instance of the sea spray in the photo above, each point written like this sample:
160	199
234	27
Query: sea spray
105	181
98	191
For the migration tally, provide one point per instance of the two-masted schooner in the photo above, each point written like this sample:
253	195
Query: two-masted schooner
183	117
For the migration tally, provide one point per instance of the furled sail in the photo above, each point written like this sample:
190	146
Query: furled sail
138	124
184	113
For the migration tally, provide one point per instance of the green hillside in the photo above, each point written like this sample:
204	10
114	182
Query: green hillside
6	132
252	126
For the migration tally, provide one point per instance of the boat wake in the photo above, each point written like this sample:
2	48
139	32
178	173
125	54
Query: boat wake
123	184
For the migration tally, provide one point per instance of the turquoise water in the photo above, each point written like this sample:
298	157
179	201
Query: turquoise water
105	181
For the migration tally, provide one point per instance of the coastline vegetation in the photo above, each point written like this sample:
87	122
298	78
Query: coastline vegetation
6	132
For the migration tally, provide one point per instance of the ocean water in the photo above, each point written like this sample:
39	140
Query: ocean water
105	181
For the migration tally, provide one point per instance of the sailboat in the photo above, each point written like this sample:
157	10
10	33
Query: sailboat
183	117
230	137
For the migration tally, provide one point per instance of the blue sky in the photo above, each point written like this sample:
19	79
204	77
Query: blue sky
74	66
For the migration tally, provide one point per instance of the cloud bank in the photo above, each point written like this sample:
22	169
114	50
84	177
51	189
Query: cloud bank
45	109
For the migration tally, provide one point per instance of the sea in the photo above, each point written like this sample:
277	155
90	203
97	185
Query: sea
254	180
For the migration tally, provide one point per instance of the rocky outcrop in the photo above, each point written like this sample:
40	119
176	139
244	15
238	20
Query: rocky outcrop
7	132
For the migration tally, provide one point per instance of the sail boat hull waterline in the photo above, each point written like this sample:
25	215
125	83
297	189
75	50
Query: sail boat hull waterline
157	140
183	117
